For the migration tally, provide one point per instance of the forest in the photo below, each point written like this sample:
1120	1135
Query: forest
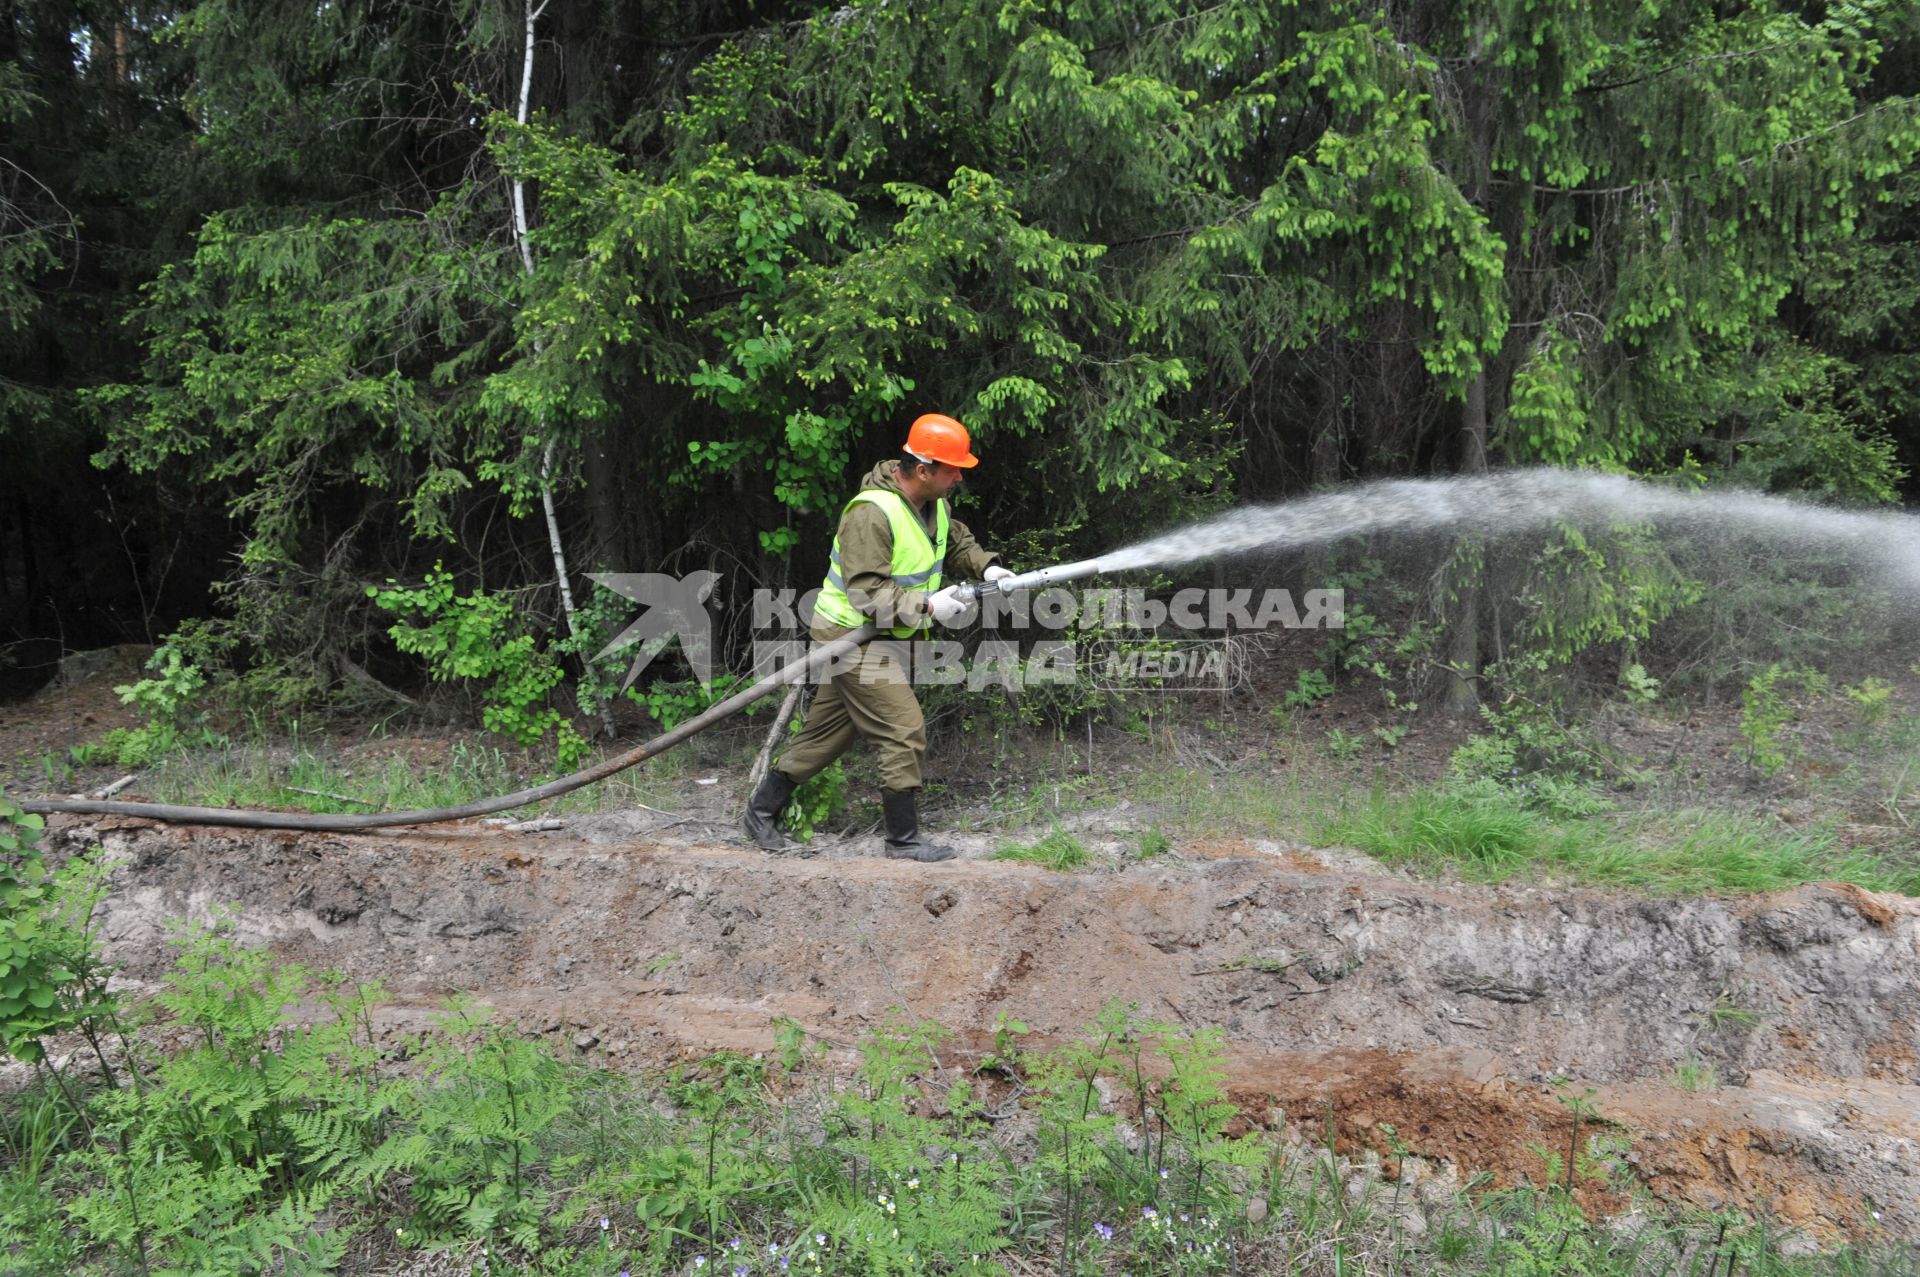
299	301
1555	912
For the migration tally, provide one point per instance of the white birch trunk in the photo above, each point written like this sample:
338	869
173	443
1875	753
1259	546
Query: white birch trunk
546	459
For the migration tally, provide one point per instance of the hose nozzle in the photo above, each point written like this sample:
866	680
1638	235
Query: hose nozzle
1040	578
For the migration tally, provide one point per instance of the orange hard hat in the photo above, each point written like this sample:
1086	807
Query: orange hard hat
933	437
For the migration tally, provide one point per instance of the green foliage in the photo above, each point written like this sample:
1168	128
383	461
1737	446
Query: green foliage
921	1192
672	703
598	617
34	1232
1310	687
817	803
226	1159
1528	759
1587	589
1343	745
1726	1011
37	947
473	1131
1489	836
290	767
1637	686
1134	248
1078	1140
1549	1236
275	1137
1058	850
1802	435
479	636
1007	1033
1765	708
1873	701
172	705
1194	1103
294	353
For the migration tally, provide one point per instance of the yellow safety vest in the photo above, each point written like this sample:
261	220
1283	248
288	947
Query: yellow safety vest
916	560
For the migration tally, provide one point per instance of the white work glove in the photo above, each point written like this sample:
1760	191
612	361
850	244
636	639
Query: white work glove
949	606
995	573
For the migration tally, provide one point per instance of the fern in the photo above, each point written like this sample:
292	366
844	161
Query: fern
327	1142
473	1129
1077	1140
224	1158
196	1221
918	1191
1194	1105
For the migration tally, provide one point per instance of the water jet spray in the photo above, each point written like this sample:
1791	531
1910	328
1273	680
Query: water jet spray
1489	505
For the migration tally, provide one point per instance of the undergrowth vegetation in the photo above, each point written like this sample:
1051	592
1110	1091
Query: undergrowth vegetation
281	1134
1491	838
1058	850
1811	757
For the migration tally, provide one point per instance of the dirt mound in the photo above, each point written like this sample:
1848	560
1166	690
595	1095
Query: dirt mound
1352	999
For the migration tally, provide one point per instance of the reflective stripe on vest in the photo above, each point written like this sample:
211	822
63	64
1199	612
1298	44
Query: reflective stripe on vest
916	560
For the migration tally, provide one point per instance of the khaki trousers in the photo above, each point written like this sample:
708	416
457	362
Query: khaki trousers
870	695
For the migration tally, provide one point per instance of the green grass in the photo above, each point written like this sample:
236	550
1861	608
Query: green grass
1496	835
1695	1074
258	775
1291	804
1059	851
1489	838
1036	803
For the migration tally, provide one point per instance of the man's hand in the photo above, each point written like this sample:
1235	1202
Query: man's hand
996	572
949	606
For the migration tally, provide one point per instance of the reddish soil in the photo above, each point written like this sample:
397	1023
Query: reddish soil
1350	1000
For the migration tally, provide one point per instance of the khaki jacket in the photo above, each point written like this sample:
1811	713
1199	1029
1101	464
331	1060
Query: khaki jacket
866	557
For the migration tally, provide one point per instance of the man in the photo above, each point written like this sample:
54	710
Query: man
896	546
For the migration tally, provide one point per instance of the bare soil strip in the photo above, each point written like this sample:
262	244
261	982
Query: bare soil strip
1351	999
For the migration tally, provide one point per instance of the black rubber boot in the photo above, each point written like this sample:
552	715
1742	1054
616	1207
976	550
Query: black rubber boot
903	829
762	821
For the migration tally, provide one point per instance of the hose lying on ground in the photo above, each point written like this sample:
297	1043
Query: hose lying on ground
347	823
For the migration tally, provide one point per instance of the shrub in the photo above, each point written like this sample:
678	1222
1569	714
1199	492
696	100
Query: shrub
1765	708
173	711
477	636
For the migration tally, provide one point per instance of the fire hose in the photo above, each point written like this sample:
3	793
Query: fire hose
819	658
